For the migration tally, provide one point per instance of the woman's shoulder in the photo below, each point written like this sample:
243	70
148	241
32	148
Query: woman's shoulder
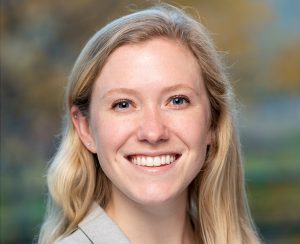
76	237
96	227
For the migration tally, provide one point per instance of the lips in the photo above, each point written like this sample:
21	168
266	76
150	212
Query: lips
153	161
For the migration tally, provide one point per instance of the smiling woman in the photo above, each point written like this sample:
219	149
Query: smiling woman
141	124
149	152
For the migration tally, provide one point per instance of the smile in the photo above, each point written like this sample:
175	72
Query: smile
151	161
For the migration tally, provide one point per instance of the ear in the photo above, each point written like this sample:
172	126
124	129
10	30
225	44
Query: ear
83	129
209	137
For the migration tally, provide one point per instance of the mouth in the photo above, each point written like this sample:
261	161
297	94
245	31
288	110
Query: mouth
153	161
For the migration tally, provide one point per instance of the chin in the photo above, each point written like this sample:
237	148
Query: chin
155	196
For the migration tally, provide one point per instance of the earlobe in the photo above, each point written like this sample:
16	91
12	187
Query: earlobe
209	137
83	129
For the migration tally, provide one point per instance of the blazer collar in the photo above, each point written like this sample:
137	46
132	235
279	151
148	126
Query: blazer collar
99	227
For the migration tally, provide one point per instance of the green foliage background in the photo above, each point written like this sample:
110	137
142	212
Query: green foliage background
40	40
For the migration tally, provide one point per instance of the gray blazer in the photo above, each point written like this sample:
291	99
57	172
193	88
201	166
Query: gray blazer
96	228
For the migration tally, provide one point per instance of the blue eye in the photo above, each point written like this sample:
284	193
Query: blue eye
179	100
122	104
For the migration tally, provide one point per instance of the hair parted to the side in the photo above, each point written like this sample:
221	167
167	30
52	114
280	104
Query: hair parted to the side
217	202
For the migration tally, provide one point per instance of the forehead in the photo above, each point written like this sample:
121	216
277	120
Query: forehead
153	62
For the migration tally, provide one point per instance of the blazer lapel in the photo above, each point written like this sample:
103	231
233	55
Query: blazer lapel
100	229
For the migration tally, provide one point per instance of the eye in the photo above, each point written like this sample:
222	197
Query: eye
122	104
179	100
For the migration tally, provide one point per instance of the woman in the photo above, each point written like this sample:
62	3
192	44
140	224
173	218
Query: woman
149	153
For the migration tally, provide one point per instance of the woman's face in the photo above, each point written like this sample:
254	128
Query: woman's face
149	120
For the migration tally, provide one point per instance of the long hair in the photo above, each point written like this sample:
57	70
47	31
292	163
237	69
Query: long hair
218	207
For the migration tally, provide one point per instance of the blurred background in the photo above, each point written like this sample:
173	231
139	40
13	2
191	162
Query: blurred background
40	40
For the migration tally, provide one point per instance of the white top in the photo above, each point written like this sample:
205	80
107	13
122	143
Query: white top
97	228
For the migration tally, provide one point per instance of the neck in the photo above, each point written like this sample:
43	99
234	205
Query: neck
154	223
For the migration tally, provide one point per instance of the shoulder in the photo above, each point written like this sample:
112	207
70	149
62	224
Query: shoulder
76	237
98	228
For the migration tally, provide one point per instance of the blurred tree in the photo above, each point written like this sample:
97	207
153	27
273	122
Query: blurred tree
285	69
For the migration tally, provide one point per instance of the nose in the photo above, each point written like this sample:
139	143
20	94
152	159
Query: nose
152	127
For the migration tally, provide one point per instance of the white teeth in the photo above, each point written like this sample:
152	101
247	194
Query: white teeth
149	161
153	161
168	159
143	162
156	161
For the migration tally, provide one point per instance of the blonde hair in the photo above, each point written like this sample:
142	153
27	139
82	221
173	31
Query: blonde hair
217	202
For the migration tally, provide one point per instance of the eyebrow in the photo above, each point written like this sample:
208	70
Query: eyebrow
120	90
179	86
134	92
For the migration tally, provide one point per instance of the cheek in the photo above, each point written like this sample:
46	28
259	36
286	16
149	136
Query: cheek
192	129
111	133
